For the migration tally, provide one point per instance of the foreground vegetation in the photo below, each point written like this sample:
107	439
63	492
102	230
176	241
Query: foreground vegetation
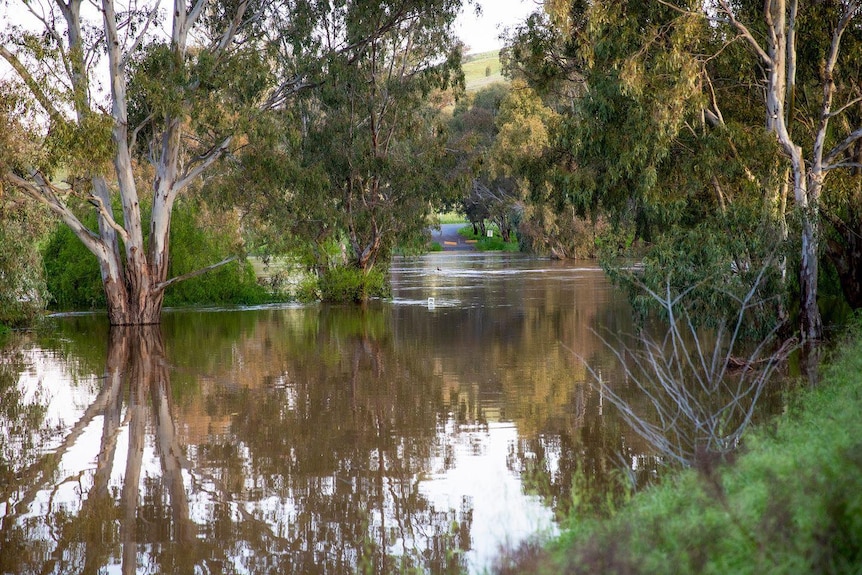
791	502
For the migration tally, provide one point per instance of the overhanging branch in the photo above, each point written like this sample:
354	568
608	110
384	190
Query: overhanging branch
843	146
202	164
42	191
165	284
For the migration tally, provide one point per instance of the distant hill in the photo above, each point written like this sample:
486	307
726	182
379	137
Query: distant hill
481	70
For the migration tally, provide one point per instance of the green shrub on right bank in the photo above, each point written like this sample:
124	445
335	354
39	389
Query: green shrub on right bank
791	502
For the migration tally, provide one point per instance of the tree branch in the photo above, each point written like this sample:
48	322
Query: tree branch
828	81
843	146
162	285
205	161
97	202
231	30
852	102
746	34
827	167
43	192
31	83
150	18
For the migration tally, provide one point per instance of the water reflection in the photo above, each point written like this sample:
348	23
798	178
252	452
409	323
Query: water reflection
397	437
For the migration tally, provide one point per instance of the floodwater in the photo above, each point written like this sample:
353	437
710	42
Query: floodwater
428	432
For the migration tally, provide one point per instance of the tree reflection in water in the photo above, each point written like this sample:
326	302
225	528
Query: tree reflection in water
312	475
309	440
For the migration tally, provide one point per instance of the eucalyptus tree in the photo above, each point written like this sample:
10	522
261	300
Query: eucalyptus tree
137	102
691	111
472	131
813	123
88	141
378	143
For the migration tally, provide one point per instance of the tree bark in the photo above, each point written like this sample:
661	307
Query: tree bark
809	171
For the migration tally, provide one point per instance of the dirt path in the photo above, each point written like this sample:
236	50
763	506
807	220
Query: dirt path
448	238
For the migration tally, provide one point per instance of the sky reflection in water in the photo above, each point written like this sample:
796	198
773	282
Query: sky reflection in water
319	439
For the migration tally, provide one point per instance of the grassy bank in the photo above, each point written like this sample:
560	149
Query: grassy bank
791	503
481	70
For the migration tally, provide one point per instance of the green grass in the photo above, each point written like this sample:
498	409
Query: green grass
477	67
489	244
791	503
451	218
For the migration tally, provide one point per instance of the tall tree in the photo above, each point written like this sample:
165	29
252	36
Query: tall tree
378	141
779	52
177	102
670	127
89	147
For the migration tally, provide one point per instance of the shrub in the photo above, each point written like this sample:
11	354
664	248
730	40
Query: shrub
198	238
71	273
490	244
496	244
22	286
346	284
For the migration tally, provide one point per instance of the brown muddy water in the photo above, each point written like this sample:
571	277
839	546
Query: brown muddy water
425	433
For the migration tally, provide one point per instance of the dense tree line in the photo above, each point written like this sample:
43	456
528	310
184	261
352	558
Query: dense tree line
123	110
714	141
720	138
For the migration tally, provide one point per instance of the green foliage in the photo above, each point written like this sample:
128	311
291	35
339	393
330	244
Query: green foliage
374	188
23	293
345	284
466	232
71	273
199	238
490	244
216	95
451	218
82	147
716	262
16	149
497	244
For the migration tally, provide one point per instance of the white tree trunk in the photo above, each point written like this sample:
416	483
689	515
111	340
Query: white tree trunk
780	60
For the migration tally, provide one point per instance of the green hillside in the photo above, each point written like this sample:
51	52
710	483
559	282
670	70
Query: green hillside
481	70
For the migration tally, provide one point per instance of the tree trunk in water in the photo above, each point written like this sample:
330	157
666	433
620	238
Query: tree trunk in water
137	305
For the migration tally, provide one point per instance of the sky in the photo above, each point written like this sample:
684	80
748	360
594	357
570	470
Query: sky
481	33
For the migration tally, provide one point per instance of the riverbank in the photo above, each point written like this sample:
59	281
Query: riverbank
791	503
